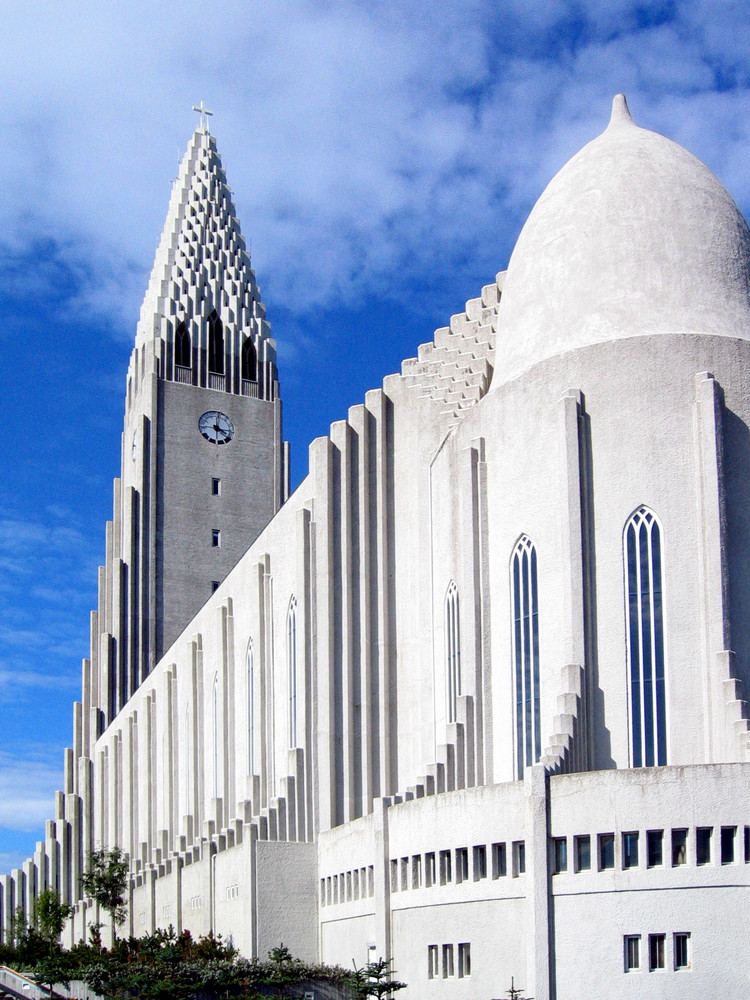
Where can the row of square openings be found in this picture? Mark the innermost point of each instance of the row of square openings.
(355, 884)
(444, 867)
(681, 958)
(682, 847)
(441, 964)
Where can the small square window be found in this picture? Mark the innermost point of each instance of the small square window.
(655, 848)
(480, 862)
(681, 952)
(632, 949)
(519, 857)
(429, 869)
(214, 586)
(559, 855)
(216, 487)
(630, 849)
(582, 847)
(606, 851)
(215, 537)
(464, 960)
(447, 961)
(679, 848)
(656, 952)
(703, 845)
(462, 864)
(728, 836)
(445, 868)
(433, 961)
(499, 861)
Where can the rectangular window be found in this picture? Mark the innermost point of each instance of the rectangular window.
(215, 537)
(464, 960)
(480, 862)
(433, 961)
(322, 892)
(656, 952)
(445, 867)
(447, 961)
(355, 883)
(728, 836)
(371, 880)
(582, 847)
(681, 952)
(429, 869)
(394, 875)
(404, 874)
(703, 845)
(214, 586)
(499, 861)
(462, 864)
(606, 851)
(679, 848)
(559, 855)
(348, 887)
(632, 952)
(519, 857)
(216, 487)
(630, 849)
(416, 871)
(747, 845)
(655, 848)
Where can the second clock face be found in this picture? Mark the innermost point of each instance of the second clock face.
(216, 427)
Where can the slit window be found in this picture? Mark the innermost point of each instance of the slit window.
(606, 851)
(655, 848)
(703, 845)
(519, 857)
(215, 487)
(215, 538)
(559, 855)
(462, 864)
(728, 836)
(445, 867)
(464, 960)
(582, 847)
(447, 961)
(499, 861)
(630, 849)
(679, 848)
(632, 952)
(656, 952)
(681, 952)
(433, 961)
(429, 869)
(480, 862)
(452, 651)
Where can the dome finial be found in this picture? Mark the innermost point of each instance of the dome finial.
(620, 112)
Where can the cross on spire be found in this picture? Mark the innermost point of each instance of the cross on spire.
(202, 111)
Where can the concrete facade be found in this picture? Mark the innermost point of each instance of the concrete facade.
(471, 697)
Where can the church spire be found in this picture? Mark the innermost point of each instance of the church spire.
(202, 282)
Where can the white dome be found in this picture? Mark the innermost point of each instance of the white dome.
(634, 236)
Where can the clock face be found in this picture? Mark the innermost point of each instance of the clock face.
(216, 427)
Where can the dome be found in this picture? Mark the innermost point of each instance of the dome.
(633, 237)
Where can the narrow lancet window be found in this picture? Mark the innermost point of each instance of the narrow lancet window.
(525, 651)
(215, 707)
(291, 657)
(215, 344)
(182, 346)
(250, 709)
(249, 361)
(452, 651)
(645, 639)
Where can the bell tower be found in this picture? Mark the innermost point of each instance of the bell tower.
(203, 467)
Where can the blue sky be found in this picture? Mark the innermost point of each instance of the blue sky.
(383, 157)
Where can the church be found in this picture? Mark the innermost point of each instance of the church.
(473, 695)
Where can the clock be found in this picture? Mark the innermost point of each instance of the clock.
(216, 427)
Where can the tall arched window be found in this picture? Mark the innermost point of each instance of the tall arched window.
(523, 579)
(182, 346)
(215, 344)
(291, 660)
(250, 708)
(452, 651)
(249, 361)
(215, 706)
(645, 639)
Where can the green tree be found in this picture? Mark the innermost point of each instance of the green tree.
(374, 979)
(50, 915)
(105, 881)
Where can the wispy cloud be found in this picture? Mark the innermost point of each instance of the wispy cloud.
(29, 777)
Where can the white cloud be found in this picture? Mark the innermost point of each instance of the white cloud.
(28, 781)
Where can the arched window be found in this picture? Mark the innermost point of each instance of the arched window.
(215, 706)
(525, 652)
(452, 651)
(215, 344)
(249, 361)
(250, 708)
(291, 661)
(645, 639)
(182, 346)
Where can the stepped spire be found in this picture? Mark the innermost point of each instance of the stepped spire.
(201, 274)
